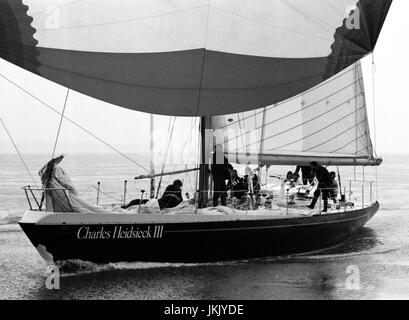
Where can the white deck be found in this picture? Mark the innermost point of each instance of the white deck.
(52, 218)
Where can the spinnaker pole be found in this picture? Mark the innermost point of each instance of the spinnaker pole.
(163, 174)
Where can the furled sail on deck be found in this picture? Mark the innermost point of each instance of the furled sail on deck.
(189, 57)
(328, 123)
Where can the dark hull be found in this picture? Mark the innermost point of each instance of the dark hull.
(199, 241)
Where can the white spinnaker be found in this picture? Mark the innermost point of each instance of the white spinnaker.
(189, 57)
(329, 120)
(275, 28)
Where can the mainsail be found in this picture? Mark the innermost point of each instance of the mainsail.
(327, 123)
(189, 57)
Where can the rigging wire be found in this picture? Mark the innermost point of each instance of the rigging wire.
(18, 151)
(374, 120)
(187, 142)
(59, 126)
(76, 124)
(241, 133)
(374, 100)
(106, 194)
(170, 134)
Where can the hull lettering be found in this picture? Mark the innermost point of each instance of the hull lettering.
(119, 232)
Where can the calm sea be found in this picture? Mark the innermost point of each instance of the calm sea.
(380, 251)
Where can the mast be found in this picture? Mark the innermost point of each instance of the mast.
(204, 161)
(262, 137)
(152, 162)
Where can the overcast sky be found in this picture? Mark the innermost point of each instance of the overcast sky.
(34, 127)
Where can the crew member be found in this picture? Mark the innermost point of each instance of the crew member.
(172, 196)
(307, 174)
(289, 177)
(221, 171)
(334, 187)
(296, 181)
(237, 185)
(324, 185)
(256, 185)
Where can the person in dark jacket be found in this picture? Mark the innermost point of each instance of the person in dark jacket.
(221, 171)
(288, 177)
(237, 185)
(172, 196)
(334, 187)
(324, 185)
(256, 185)
(307, 174)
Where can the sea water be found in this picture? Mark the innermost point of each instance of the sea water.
(373, 265)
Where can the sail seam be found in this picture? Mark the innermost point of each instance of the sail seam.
(337, 136)
(345, 145)
(122, 21)
(298, 111)
(277, 105)
(309, 16)
(335, 8)
(308, 121)
(325, 128)
(270, 25)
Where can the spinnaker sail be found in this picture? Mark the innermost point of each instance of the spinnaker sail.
(189, 57)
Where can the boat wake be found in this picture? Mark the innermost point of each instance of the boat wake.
(78, 267)
(345, 251)
(334, 256)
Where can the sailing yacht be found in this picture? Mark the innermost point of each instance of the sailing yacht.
(279, 82)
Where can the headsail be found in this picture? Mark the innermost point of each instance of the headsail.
(327, 123)
(189, 57)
